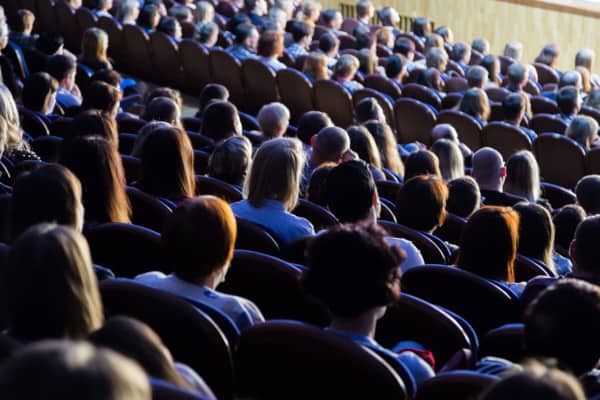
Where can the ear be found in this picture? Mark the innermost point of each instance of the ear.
(572, 250)
(313, 139)
(502, 171)
(374, 198)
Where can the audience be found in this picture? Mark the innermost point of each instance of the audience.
(273, 120)
(363, 144)
(523, 178)
(489, 172)
(388, 147)
(270, 48)
(94, 46)
(584, 131)
(422, 162)
(231, 160)
(514, 108)
(588, 194)
(451, 162)
(421, 203)
(64, 70)
(463, 196)
(220, 120)
(39, 95)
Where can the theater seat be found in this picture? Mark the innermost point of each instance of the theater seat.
(226, 70)
(551, 147)
(196, 68)
(331, 98)
(456, 84)
(455, 385)
(543, 105)
(558, 196)
(47, 147)
(414, 121)
(545, 74)
(497, 94)
(260, 86)
(430, 251)
(384, 85)
(165, 60)
(320, 217)
(116, 48)
(506, 341)
(295, 91)
(505, 138)
(547, 123)
(147, 210)
(251, 236)
(206, 185)
(32, 123)
(467, 127)
(422, 93)
(452, 228)
(137, 46)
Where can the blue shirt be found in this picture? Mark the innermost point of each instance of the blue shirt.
(296, 50)
(241, 52)
(283, 225)
(66, 99)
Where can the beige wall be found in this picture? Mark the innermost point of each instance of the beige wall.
(500, 22)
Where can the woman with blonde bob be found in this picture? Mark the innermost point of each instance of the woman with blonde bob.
(476, 104)
(583, 130)
(315, 66)
(451, 160)
(48, 286)
(523, 176)
(16, 148)
(94, 45)
(272, 189)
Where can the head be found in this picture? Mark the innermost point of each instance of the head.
(8, 112)
(210, 93)
(461, 52)
(4, 30)
(550, 320)
(350, 192)
(583, 130)
(311, 123)
(421, 27)
(273, 119)
(276, 20)
(434, 40)
(436, 58)
(481, 45)
(523, 176)
(514, 50)
(163, 109)
(351, 258)
(389, 16)
(49, 286)
(536, 232)
(270, 44)
(583, 247)
(463, 196)
(431, 78)
(181, 13)
(514, 107)
(451, 161)
(585, 58)
(63, 69)
(365, 9)
(316, 184)
(346, 67)
(489, 243)
(586, 84)
(588, 194)
(163, 91)
(363, 144)
(97, 165)
(476, 104)
(100, 374)
(50, 43)
(315, 65)
(220, 120)
(246, 35)
(368, 109)
(492, 65)
(570, 78)
(488, 168)
(23, 22)
(109, 76)
(329, 44)
(405, 47)
(93, 123)
(395, 68)
(444, 131)
(332, 19)
(568, 100)
(230, 160)
(566, 220)
(422, 162)
(330, 144)
(517, 75)
(302, 33)
(168, 164)
(548, 55)
(128, 11)
(421, 203)
(61, 191)
(102, 97)
(237, 19)
(39, 92)
(94, 44)
(367, 61)
(477, 77)
(387, 146)
(276, 172)
(149, 17)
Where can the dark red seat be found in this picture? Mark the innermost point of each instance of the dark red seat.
(546, 74)
(66, 22)
(531, 88)
(506, 138)
(165, 60)
(116, 48)
(527, 268)
(467, 127)
(85, 20)
(383, 84)
(331, 98)
(201, 162)
(413, 38)
(590, 112)
(497, 94)
(349, 25)
(451, 100)
(347, 42)
(422, 93)
(383, 101)
(129, 124)
(455, 385)
(226, 70)
(452, 228)
(388, 189)
(132, 167)
(138, 49)
(196, 68)
(48, 147)
(320, 217)
(547, 123)
(414, 121)
(505, 62)
(32, 123)
(147, 210)
(260, 86)
(206, 185)
(561, 160)
(295, 91)
(558, 196)
(46, 16)
(251, 236)
(543, 105)
(456, 84)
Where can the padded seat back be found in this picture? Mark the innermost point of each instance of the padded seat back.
(384, 85)
(382, 100)
(455, 385)
(226, 70)
(430, 251)
(147, 210)
(561, 160)
(414, 121)
(165, 59)
(196, 68)
(295, 91)
(207, 185)
(422, 93)
(546, 74)
(320, 217)
(254, 237)
(547, 123)
(138, 49)
(505, 138)
(260, 86)
(543, 105)
(468, 129)
(457, 84)
(331, 98)
(67, 25)
(116, 42)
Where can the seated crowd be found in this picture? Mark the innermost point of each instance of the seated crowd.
(354, 213)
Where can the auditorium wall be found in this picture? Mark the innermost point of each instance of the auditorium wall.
(533, 22)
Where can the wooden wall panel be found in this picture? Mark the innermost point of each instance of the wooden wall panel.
(503, 21)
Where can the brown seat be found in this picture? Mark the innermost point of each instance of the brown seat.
(48, 147)
(32, 123)
(384, 85)
(414, 121)
(527, 268)
(67, 25)
(165, 60)
(468, 129)
(382, 51)
(349, 25)
(542, 123)
(422, 93)
(531, 88)
(429, 249)
(388, 190)
(476, 57)
(306, 362)
(558, 196)
(85, 20)
(347, 42)
(506, 341)
(455, 385)
(226, 70)
(320, 217)
(496, 112)
(590, 112)
(452, 229)
(201, 162)
(413, 38)
(116, 48)
(454, 69)
(561, 160)
(147, 210)
(295, 91)
(206, 185)
(497, 93)
(274, 286)
(128, 124)
(546, 74)
(451, 100)
(196, 69)
(191, 336)
(456, 84)
(505, 138)
(543, 105)
(15, 54)
(331, 98)
(139, 62)
(252, 236)
(383, 101)
(45, 16)
(260, 86)
(505, 62)
(592, 159)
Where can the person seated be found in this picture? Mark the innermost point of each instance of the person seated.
(492, 64)
(421, 162)
(163, 91)
(593, 99)
(514, 108)
(513, 50)
(388, 147)
(163, 109)
(286, 6)
(569, 78)
(220, 121)
(7, 68)
(149, 18)
(315, 192)
(256, 10)
(56, 365)
(585, 59)
(272, 189)
(102, 97)
(94, 45)
(586, 85)
(102, 8)
(395, 70)
(489, 246)
(437, 58)
(363, 144)
(275, 20)
(302, 35)
(330, 144)
(421, 27)
(170, 27)
(344, 72)
(368, 109)
(475, 103)
(447, 131)
(39, 96)
(128, 11)
(210, 93)
(477, 77)
(16, 147)
(270, 48)
(230, 161)
(481, 45)
(365, 12)
(463, 196)
(332, 20)
(405, 48)
(518, 75)
(587, 191)
(273, 120)
(20, 32)
(368, 63)
(489, 172)
(523, 178)
(311, 123)
(35, 309)
(315, 66)
(389, 19)
(566, 219)
(549, 56)
(329, 45)
(92, 123)
(584, 131)
(569, 103)
(182, 13)
(167, 160)
(351, 259)
(351, 195)
(446, 33)
(245, 43)
(432, 79)
(451, 160)
(64, 70)
(461, 53)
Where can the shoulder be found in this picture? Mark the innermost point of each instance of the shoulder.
(150, 277)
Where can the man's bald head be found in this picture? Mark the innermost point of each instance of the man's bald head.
(444, 131)
(330, 144)
(488, 168)
(570, 78)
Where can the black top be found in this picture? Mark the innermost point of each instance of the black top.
(494, 198)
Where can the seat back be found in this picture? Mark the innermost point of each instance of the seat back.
(388, 190)
(384, 85)
(46, 16)
(558, 196)
(67, 25)
(468, 129)
(455, 385)
(422, 93)
(127, 249)
(254, 237)
(454, 69)
(430, 251)
(591, 112)
(456, 84)
(147, 210)
(546, 74)
(226, 9)
(116, 48)
(506, 341)
(411, 318)
(14, 52)
(497, 94)
(331, 98)
(543, 123)
(452, 229)
(550, 147)
(295, 91)
(165, 59)
(260, 86)
(451, 100)
(132, 167)
(196, 69)
(414, 121)
(85, 20)
(162, 390)
(226, 70)
(505, 62)
(543, 105)
(138, 48)
(382, 100)
(271, 357)
(32, 123)
(505, 138)
(216, 187)
(320, 217)
(349, 25)
(48, 148)
(191, 336)
(527, 268)
(413, 38)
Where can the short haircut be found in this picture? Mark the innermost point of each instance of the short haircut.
(149, 17)
(168, 25)
(349, 191)
(394, 66)
(461, 52)
(24, 20)
(211, 92)
(566, 220)
(517, 74)
(422, 162)
(243, 31)
(60, 66)
(487, 164)
(37, 90)
(346, 65)
(551, 319)
(301, 30)
(162, 109)
(101, 96)
(513, 105)
(316, 185)
(310, 123)
(514, 50)
(421, 26)
(489, 243)
(566, 99)
(205, 31)
(363, 7)
(330, 144)
(270, 44)
(477, 76)
(220, 120)
(230, 160)
(199, 238)
(109, 76)
(163, 91)
(351, 259)
(586, 245)
(588, 194)
(328, 42)
(368, 109)
(463, 196)
(421, 203)
(49, 43)
(404, 46)
(272, 118)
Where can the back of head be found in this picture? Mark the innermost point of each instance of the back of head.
(48, 194)
(311, 123)
(489, 243)
(212, 92)
(162, 109)
(49, 43)
(350, 191)
(273, 119)
(198, 239)
(368, 109)
(163, 91)
(394, 67)
(536, 232)
(570, 78)
(477, 76)
(588, 194)
(583, 130)
(551, 320)
(487, 167)
(514, 50)
(230, 160)
(451, 161)
(444, 131)
(102, 97)
(475, 103)
(421, 203)
(565, 221)
(422, 162)
(220, 120)
(67, 370)
(513, 106)
(421, 26)
(585, 245)
(523, 176)
(567, 100)
(37, 91)
(93, 123)
(243, 31)
(328, 42)
(463, 196)
(317, 184)
(60, 66)
(109, 76)
(517, 74)
(536, 382)
(270, 44)
(363, 144)
(300, 30)
(387, 145)
(351, 259)
(330, 144)
(49, 288)
(404, 46)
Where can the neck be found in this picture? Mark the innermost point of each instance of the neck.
(211, 281)
(495, 186)
(362, 325)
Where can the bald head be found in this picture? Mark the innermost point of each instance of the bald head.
(330, 144)
(570, 78)
(488, 169)
(444, 131)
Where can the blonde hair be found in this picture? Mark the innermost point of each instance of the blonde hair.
(315, 65)
(10, 114)
(475, 103)
(583, 130)
(514, 50)
(523, 176)
(204, 12)
(276, 172)
(347, 65)
(94, 45)
(272, 118)
(450, 158)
